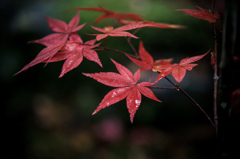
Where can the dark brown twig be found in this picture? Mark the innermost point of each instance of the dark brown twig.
(215, 75)
(131, 45)
(153, 87)
(181, 90)
(113, 50)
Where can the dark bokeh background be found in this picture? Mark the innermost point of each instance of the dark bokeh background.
(46, 117)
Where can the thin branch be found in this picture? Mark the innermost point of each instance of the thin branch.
(153, 87)
(113, 50)
(131, 45)
(117, 51)
(185, 93)
(215, 78)
(215, 75)
(105, 42)
(129, 42)
(197, 105)
(150, 79)
(212, 6)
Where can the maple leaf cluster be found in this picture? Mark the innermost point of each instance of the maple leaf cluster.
(66, 44)
(178, 71)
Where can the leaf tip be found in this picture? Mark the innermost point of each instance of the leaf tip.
(16, 73)
(131, 119)
(62, 73)
(86, 74)
(94, 112)
(113, 61)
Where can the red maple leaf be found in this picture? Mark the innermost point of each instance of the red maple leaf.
(152, 24)
(179, 70)
(74, 51)
(201, 14)
(146, 60)
(63, 30)
(121, 31)
(45, 54)
(110, 14)
(110, 31)
(127, 88)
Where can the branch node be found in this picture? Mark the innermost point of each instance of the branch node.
(215, 77)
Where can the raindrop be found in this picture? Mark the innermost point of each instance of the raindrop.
(137, 102)
(114, 94)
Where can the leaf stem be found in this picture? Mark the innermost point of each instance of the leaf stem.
(129, 42)
(185, 93)
(105, 42)
(131, 45)
(117, 51)
(150, 79)
(113, 50)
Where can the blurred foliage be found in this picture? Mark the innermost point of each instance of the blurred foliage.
(48, 118)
